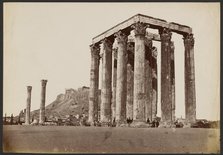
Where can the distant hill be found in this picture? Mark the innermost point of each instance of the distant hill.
(72, 102)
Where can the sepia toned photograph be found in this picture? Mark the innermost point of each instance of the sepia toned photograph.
(127, 77)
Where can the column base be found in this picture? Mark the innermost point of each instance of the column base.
(121, 124)
(106, 124)
(187, 124)
(167, 124)
(139, 124)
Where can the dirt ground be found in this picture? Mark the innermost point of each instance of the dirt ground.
(68, 139)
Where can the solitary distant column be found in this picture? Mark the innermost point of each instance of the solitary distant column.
(130, 80)
(42, 104)
(154, 83)
(190, 94)
(139, 72)
(114, 79)
(121, 78)
(11, 119)
(94, 81)
(106, 94)
(172, 70)
(166, 97)
(28, 105)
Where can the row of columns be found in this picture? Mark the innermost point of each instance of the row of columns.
(130, 89)
(42, 103)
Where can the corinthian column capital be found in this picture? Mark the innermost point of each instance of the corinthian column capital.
(165, 34)
(115, 50)
(43, 83)
(107, 44)
(188, 40)
(121, 37)
(139, 28)
(29, 88)
(172, 45)
(95, 50)
(154, 52)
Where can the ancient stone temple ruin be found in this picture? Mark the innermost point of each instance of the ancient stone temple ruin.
(28, 105)
(42, 103)
(129, 72)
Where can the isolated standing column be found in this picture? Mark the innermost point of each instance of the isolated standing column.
(28, 105)
(42, 104)
(121, 78)
(94, 81)
(190, 94)
(139, 72)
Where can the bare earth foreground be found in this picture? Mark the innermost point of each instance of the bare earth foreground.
(72, 139)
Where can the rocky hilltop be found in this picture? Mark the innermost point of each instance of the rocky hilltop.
(72, 102)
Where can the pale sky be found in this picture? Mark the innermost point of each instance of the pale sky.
(51, 41)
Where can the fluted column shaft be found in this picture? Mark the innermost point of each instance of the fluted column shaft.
(106, 94)
(148, 80)
(154, 83)
(130, 80)
(166, 95)
(172, 70)
(94, 81)
(114, 79)
(139, 73)
(42, 104)
(190, 93)
(121, 77)
(28, 105)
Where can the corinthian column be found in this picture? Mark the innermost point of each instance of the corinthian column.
(121, 78)
(139, 73)
(148, 80)
(94, 77)
(154, 82)
(190, 94)
(172, 72)
(130, 80)
(114, 79)
(28, 105)
(166, 97)
(42, 104)
(106, 93)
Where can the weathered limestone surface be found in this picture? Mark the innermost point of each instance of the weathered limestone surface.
(28, 105)
(130, 80)
(121, 88)
(42, 104)
(94, 81)
(154, 82)
(114, 79)
(148, 81)
(166, 95)
(106, 94)
(190, 98)
(139, 72)
(130, 85)
(172, 68)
